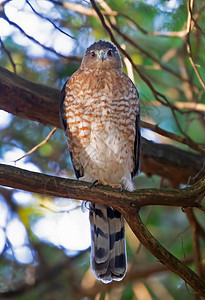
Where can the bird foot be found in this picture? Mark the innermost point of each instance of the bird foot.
(103, 182)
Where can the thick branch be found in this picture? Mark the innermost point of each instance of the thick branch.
(40, 103)
(123, 201)
(177, 165)
(28, 100)
(169, 260)
(127, 203)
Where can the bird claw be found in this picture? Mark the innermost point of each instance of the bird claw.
(96, 182)
(102, 182)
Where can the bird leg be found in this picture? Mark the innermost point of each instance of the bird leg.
(103, 182)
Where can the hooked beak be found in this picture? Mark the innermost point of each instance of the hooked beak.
(102, 55)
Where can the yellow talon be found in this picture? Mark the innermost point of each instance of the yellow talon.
(112, 185)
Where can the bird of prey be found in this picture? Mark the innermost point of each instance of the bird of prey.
(100, 114)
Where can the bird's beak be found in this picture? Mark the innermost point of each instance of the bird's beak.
(102, 55)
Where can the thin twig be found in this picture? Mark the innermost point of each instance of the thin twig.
(146, 53)
(81, 9)
(9, 56)
(50, 21)
(4, 16)
(195, 235)
(108, 10)
(186, 86)
(179, 34)
(188, 43)
(3, 3)
(192, 61)
(173, 136)
(180, 128)
(39, 145)
(190, 106)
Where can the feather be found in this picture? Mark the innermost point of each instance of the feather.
(61, 108)
(108, 251)
(137, 147)
(78, 168)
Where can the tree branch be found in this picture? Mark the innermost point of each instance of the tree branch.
(38, 102)
(166, 258)
(189, 106)
(173, 136)
(123, 201)
(31, 38)
(128, 203)
(194, 225)
(167, 161)
(27, 99)
(9, 56)
(190, 4)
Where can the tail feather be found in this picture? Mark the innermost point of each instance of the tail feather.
(101, 238)
(108, 252)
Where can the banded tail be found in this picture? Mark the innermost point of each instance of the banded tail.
(108, 248)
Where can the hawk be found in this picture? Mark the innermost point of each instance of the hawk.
(100, 114)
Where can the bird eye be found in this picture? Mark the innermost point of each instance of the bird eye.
(109, 53)
(92, 54)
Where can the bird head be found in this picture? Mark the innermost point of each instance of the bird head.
(101, 55)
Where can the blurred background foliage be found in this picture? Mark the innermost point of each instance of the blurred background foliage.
(34, 262)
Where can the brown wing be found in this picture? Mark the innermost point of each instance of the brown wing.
(137, 147)
(78, 168)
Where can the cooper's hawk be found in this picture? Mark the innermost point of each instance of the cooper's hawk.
(99, 108)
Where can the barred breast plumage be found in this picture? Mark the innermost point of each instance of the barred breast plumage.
(100, 115)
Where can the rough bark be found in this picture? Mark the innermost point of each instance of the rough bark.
(170, 162)
(27, 99)
(61, 187)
